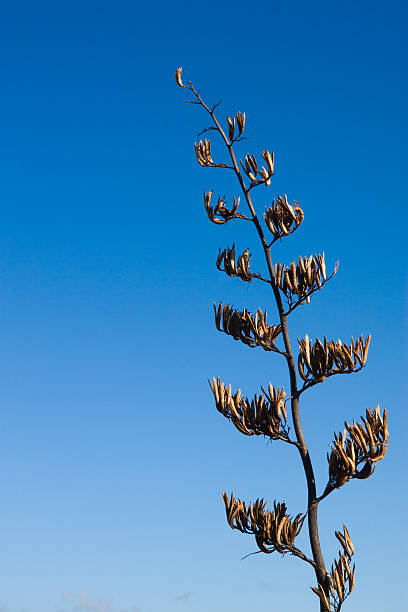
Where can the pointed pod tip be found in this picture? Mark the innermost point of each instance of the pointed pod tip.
(178, 77)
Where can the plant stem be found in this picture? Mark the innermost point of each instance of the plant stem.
(313, 502)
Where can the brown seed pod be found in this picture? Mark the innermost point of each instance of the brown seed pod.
(263, 415)
(252, 330)
(304, 278)
(220, 213)
(282, 218)
(178, 77)
(203, 153)
(319, 360)
(226, 263)
(359, 444)
(252, 170)
(274, 530)
(241, 122)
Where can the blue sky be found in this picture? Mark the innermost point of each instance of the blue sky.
(113, 457)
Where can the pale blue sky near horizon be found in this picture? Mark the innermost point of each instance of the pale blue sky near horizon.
(113, 457)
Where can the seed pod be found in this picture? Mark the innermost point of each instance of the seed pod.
(241, 122)
(231, 127)
(178, 77)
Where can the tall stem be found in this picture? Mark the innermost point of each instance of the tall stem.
(312, 501)
(312, 504)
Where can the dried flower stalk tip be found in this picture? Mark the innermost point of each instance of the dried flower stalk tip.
(264, 415)
(252, 330)
(220, 213)
(273, 530)
(358, 444)
(304, 278)
(178, 77)
(318, 361)
(226, 258)
(283, 218)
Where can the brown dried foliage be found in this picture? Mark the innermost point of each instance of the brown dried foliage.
(359, 443)
(220, 214)
(226, 263)
(304, 278)
(273, 529)
(283, 218)
(252, 330)
(263, 415)
(322, 359)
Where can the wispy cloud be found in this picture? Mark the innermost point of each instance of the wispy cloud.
(185, 597)
(83, 602)
(5, 608)
(267, 585)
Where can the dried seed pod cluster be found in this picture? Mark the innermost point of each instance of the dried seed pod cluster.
(203, 153)
(226, 258)
(252, 171)
(341, 577)
(220, 213)
(273, 530)
(252, 330)
(319, 360)
(240, 119)
(283, 218)
(264, 415)
(303, 279)
(366, 443)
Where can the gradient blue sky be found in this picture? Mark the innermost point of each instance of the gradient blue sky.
(113, 457)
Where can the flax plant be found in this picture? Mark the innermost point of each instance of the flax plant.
(355, 451)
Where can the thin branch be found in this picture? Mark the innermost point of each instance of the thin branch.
(238, 139)
(258, 182)
(298, 553)
(213, 165)
(292, 550)
(290, 441)
(250, 554)
(215, 105)
(241, 216)
(303, 299)
(316, 381)
(207, 129)
(325, 494)
(259, 277)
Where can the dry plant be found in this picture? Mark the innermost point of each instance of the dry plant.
(355, 451)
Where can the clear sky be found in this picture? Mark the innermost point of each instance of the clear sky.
(113, 457)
